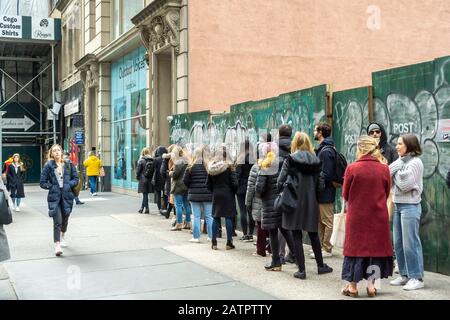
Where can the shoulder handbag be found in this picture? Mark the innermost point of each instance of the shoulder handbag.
(5, 211)
(338, 236)
(76, 190)
(287, 200)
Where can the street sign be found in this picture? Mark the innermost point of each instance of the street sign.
(24, 123)
(79, 137)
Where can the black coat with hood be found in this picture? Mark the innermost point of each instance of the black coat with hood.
(387, 150)
(158, 181)
(223, 184)
(284, 145)
(144, 185)
(242, 173)
(306, 167)
(164, 171)
(327, 156)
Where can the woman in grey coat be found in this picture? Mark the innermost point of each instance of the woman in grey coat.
(306, 166)
(253, 203)
(4, 247)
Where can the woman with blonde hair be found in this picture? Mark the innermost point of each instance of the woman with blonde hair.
(144, 174)
(304, 166)
(59, 179)
(177, 165)
(15, 178)
(164, 171)
(367, 247)
(199, 196)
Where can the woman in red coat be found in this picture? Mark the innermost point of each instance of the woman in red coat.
(367, 248)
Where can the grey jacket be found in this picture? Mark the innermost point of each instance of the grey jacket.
(251, 199)
(407, 177)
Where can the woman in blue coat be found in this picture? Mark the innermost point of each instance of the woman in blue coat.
(59, 179)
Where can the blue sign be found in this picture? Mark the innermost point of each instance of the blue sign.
(79, 137)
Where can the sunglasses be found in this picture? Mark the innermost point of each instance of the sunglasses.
(375, 131)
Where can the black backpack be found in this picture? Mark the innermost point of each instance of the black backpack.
(149, 168)
(340, 166)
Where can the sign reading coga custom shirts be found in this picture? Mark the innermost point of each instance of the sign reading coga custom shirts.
(42, 28)
(10, 26)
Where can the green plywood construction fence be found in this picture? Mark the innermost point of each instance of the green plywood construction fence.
(416, 99)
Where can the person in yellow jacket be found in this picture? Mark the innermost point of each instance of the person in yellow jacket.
(93, 165)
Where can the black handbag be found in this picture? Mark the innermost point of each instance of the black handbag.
(5, 211)
(287, 200)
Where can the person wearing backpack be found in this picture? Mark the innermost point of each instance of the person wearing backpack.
(158, 182)
(177, 166)
(327, 154)
(144, 174)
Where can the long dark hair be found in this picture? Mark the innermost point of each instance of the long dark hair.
(412, 144)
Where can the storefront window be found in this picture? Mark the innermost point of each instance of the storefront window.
(123, 11)
(128, 85)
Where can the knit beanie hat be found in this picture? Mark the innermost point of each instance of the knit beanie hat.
(373, 126)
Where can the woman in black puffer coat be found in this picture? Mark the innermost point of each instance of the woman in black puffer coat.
(245, 161)
(164, 171)
(199, 196)
(145, 187)
(267, 190)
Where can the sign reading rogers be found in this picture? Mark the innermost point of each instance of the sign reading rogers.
(42, 28)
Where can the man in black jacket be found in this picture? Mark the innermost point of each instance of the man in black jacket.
(376, 130)
(327, 155)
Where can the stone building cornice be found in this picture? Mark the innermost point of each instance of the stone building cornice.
(159, 24)
(61, 5)
(88, 67)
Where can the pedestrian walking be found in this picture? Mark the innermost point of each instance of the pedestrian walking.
(407, 177)
(254, 205)
(161, 199)
(223, 184)
(200, 198)
(245, 161)
(367, 248)
(327, 154)
(306, 167)
(266, 188)
(144, 173)
(15, 178)
(4, 246)
(59, 179)
(177, 165)
(93, 165)
(377, 131)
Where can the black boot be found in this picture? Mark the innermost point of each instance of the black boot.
(147, 211)
(141, 210)
(300, 275)
(273, 267)
(214, 244)
(230, 245)
(290, 258)
(324, 269)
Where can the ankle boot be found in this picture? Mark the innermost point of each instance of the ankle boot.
(141, 210)
(214, 244)
(177, 227)
(147, 211)
(273, 267)
(230, 245)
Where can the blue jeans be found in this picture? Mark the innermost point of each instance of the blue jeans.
(144, 200)
(16, 201)
(407, 245)
(93, 183)
(229, 226)
(197, 211)
(182, 204)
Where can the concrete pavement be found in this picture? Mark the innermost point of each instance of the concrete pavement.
(116, 253)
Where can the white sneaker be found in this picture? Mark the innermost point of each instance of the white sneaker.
(413, 284)
(400, 281)
(325, 254)
(58, 250)
(209, 239)
(194, 240)
(17, 209)
(95, 194)
(63, 243)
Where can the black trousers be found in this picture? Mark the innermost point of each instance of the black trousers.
(247, 222)
(273, 235)
(161, 199)
(60, 222)
(298, 247)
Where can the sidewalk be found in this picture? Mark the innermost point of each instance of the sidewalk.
(116, 253)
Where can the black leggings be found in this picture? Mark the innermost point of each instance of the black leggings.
(299, 254)
(273, 235)
(244, 214)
